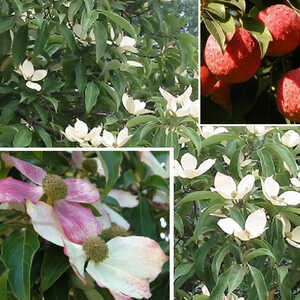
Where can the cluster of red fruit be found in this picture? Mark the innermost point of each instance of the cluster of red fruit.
(241, 59)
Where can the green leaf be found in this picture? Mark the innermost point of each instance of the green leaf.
(141, 120)
(178, 224)
(218, 260)
(54, 264)
(111, 162)
(18, 250)
(19, 6)
(91, 96)
(183, 269)
(3, 285)
(8, 111)
(201, 195)
(216, 30)
(120, 21)
(259, 282)
(81, 79)
(22, 138)
(240, 4)
(42, 37)
(216, 9)
(217, 138)
(89, 4)
(260, 33)
(73, 9)
(101, 38)
(284, 154)
(112, 93)
(7, 23)
(235, 166)
(266, 162)
(19, 45)
(59, 290)
(260, 252)
(69, 37)
(237, 279)
(53, 101)
(191, 134)
(45, 136)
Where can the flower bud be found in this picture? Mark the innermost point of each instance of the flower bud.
(95, 249)
(114, 231)
(55, 187)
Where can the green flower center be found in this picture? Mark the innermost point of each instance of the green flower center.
(90, 165)
(95, 249)
(114, 231)
(55, 187)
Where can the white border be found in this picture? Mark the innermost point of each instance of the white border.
(171, 189)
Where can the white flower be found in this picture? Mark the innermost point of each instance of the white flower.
(207, 131)
(187, 108)
(271, 189)
(226, 186)
(79, 133)
(259, 130)
(243, 162)
(188, 167)
(290, 138)
(110, 140)
(292, 237)
(126, 43)
(254, 227)
(160, 197)
(134, 63)
(77, 28)
(29, 74)
(135, 107)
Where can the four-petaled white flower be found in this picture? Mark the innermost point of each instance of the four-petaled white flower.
(255, 225)
(259, 130)
(226, 186)
(290, 138)
(126, 43)
(188, 107)
(110, 140)
(80, 133)
(271, 189)
(135, 107)
(188, 167)
(31, 75)
(208, 130)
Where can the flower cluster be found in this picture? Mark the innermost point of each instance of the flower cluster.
(60, 211)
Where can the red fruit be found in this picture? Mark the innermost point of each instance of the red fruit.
(288, 95)
(284, 26)
(221, 95)
(208, 81)
(240, 60)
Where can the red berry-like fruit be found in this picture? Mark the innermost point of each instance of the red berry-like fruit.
(240, 60)
(221, 95)
(288, 95)
(208, 81)
(284, 26)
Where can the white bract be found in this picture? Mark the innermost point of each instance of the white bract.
(207, 131)
(290, 138)
(126, 43)
(242, 161)
(31, 75)
(135, 107)
(182, 105)
(259, 130)
(296, 181)
(271, 189)
(226, 186)
(80, 133)
(292, 237)
(188, 167)
(110, 140)
(255, 225)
